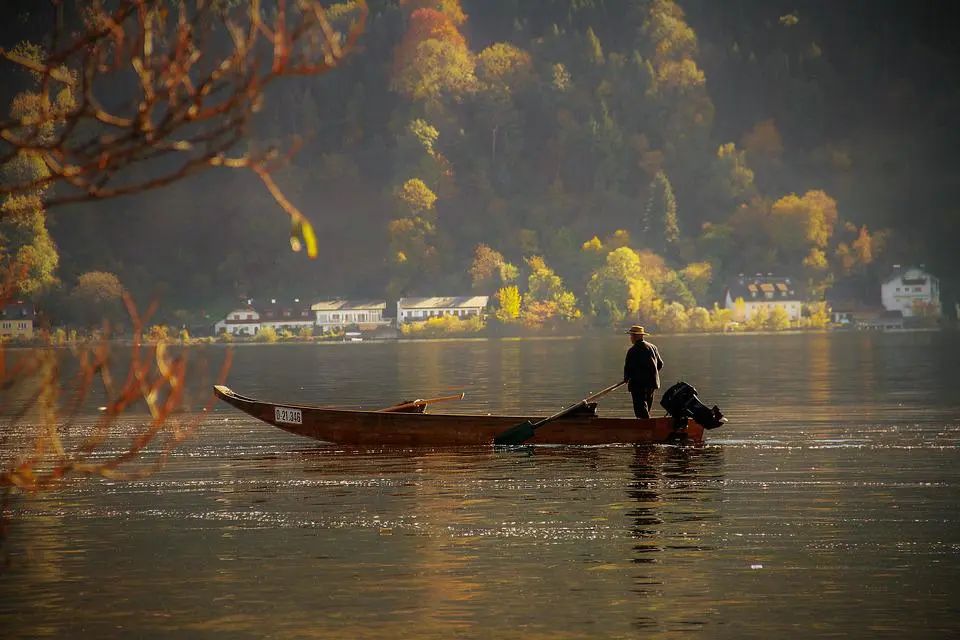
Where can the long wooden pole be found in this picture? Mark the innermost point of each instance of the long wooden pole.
(417, 403)
(520, 433)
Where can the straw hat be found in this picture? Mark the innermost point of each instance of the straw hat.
(636, 330)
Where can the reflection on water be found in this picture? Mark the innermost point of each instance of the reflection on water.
(828, 504)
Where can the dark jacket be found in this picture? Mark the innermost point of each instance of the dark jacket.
(642, 366)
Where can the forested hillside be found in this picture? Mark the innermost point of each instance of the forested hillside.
(603, 156)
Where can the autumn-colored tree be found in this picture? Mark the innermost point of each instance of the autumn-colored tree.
(734, 176)
(28, 256)
(759, 319)
(818, 315)
(543, 283)
(619, 238)
(452, 9)
(697, 276)
(673, 289)
(619, 287)
(857, 253)
(593, 245)
(593, 48)
(504, 66)
(545, 286)
(699, 319)
(97, 296)
(412, 250)
(509, 301)
(763, 142)
(428, 24)
(27, 253)
(680, 83)
(721, 317)
(739, 310)
(433, 60)
(415, 197)
(489, 269)
(673, 318)
(778, 319)
(669, 34)
(800, 223)
(502, 70)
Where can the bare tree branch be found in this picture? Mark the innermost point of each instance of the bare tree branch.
(191, 74)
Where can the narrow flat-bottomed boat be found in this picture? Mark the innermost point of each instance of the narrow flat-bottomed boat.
(411, 427)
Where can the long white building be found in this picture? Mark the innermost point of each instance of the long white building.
(420, 309)
(339, 313)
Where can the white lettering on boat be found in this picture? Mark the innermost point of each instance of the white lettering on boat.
(288, 415)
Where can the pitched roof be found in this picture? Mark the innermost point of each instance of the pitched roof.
(19, 309)
(339, 304)
(767, 287)
(279, 313)
(440, 302)
(910, 275)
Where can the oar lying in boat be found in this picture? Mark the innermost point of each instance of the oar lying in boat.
(518, 434)
(418, 403)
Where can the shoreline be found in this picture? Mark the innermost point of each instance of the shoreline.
(206, 341)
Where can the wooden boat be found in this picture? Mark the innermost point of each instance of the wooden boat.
(413, 428)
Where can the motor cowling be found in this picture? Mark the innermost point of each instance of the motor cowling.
(681, 402)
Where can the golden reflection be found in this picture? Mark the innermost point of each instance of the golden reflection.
(818, 372)
(866, 363)
(442, 562)
(510, 387)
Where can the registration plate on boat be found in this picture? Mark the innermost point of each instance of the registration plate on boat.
(288, 415)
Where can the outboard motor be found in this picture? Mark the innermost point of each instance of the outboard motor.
(681, 402)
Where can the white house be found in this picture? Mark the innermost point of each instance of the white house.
(338, 313)
(910, 290)
(239, 322)
(16, 320)
(420, 309)
(762, 291)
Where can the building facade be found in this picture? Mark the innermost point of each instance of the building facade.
(239, 322)
(911, 291)
(339, 314)
(762, 292)
(420, 309)
(286, 317)
(17, 320)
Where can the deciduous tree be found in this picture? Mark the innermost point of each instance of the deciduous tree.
(508, 303)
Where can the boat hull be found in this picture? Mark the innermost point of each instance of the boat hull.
(377, 428)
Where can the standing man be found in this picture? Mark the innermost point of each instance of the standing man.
(641, 371)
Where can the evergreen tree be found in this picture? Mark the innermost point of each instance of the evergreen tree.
(659, 222)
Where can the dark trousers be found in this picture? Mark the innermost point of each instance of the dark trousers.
(642, 401)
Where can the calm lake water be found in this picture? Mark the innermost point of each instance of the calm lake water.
(828, 506)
